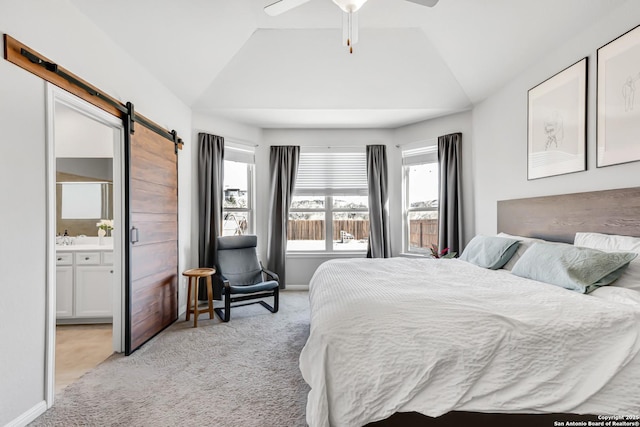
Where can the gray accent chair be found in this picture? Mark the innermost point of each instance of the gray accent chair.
(242, 276)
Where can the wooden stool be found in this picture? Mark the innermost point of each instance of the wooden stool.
(194, 275)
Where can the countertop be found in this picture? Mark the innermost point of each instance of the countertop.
(80, 248)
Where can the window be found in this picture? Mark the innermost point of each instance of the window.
(82, 200)
(420, 173)
(330, 207)
(237, 197)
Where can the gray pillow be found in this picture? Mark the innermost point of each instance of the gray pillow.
(489, 251)
(574, 268)
(525, 243)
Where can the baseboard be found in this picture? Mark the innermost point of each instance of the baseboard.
(297, 288)
(33, 413)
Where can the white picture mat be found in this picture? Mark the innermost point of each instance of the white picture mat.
(556, 124)
(619, 100)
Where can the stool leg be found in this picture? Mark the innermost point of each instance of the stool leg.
(189, 298)
(196, 313)
(210, 296)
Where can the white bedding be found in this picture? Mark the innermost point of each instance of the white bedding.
(432, 336)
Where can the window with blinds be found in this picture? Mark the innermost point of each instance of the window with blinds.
(330, 207)
(420, 182)
(239, 153)
(332, 173)
(420, 155)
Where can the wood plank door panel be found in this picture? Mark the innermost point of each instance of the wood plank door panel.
(152, 294)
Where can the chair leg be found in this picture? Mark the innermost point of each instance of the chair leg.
(276, 300)
(227, 304)
(225, 315)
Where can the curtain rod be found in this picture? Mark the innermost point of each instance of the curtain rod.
(432, 139)
(240, 141)
(334, 146)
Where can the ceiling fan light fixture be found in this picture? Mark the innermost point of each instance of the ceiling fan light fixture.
(350, 6)
(350, 18)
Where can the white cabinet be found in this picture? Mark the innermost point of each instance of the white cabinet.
(84, 286)
(93, 291)
(64, 291)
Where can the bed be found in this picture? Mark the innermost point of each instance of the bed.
(433, 337)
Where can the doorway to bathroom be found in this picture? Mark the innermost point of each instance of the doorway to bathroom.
(85, 149)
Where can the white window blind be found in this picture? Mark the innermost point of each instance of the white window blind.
(333, 173)
(421, 155)
(239, 152)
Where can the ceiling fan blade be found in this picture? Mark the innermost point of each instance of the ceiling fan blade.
(282, 6)
(428, 3)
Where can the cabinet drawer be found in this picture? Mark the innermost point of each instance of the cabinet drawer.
(83, 258)
(64, 258)
(107, 258)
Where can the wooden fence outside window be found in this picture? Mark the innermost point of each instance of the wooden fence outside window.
(422, 233)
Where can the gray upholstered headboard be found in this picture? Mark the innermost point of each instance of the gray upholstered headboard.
(558, 218)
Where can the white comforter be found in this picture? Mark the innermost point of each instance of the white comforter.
(431, 336)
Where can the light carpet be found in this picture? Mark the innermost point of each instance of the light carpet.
(243, 373)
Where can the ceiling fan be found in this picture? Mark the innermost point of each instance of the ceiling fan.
(349, 7)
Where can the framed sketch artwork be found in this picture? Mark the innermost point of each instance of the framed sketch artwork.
(557, 116)
(619, 100)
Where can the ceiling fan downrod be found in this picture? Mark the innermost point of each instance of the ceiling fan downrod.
(350, 32)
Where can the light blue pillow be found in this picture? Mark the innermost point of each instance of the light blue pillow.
(489, 251)
(575, 268)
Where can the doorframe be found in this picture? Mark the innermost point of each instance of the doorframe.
(55, 95)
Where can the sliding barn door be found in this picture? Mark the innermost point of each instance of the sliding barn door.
(152, 291)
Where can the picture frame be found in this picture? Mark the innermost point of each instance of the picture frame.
(618, 104)
(557, 123)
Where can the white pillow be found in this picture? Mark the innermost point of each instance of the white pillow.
(525, 243)
(630, 279)
(607, 242)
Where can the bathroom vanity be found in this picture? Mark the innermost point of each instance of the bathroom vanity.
(84, 284)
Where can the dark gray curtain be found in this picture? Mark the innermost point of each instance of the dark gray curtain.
(283, 166)
(379, 242)
(450, 193)
(210, 181)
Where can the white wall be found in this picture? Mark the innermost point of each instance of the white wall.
(77, 135)
(431, 129)
(500, 128)
(300, 268)
(58, 31)
(22, 246)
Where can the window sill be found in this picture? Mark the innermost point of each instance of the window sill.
(324, 254)
(413, 255)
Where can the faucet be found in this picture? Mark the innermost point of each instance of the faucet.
(65, 239)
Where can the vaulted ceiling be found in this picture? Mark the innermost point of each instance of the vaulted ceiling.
(230, 59)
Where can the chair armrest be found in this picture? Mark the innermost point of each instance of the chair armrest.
(221, 280)
(271, 274)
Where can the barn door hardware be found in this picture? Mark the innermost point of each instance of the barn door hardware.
(131, 117)
(54, 68)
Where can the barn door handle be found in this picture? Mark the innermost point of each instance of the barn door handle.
(135, 236)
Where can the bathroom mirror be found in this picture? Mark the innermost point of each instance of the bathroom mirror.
(84, 194)
(85, 200)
